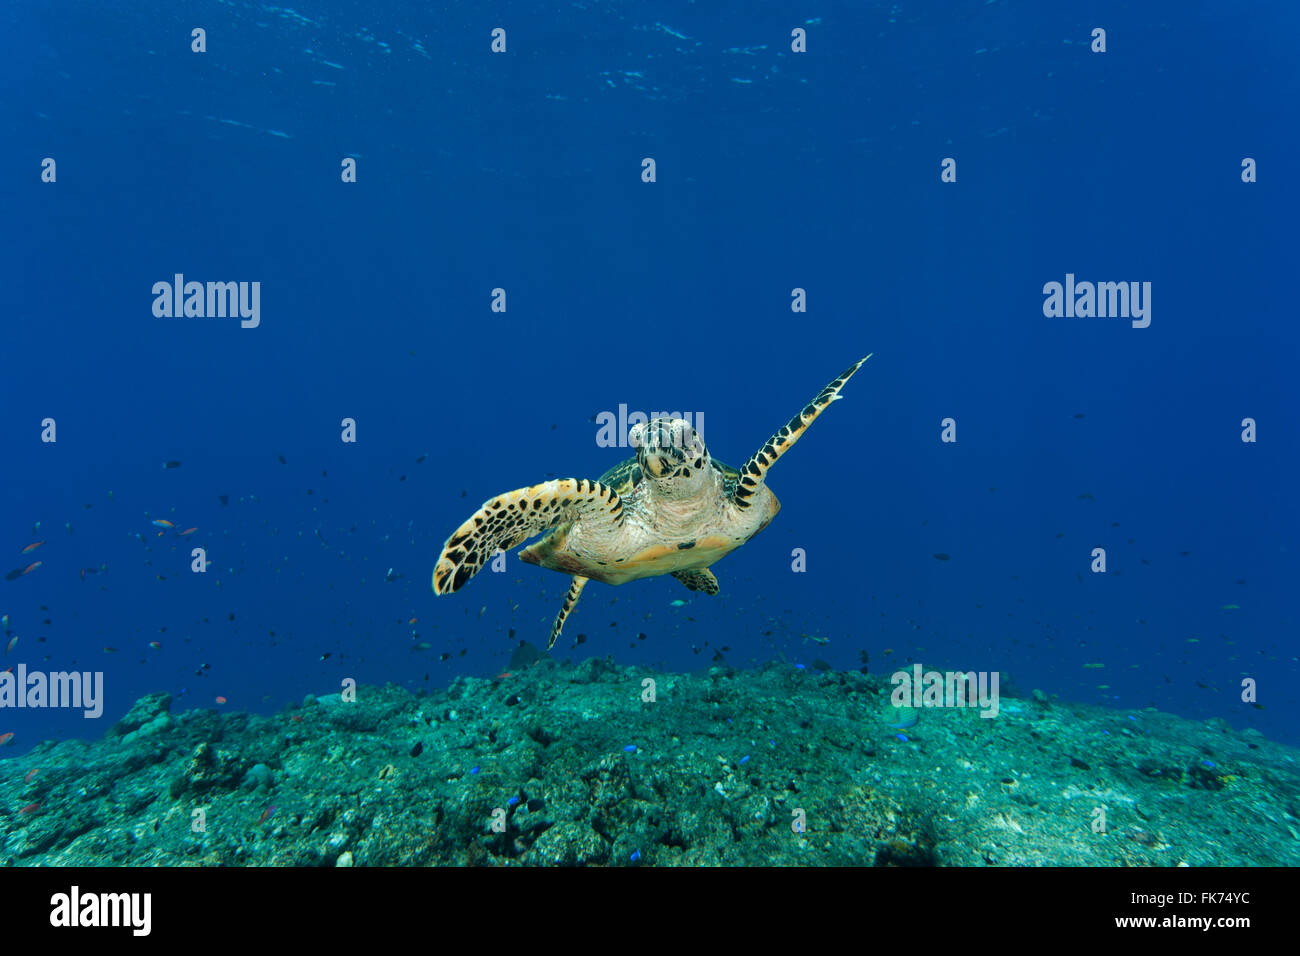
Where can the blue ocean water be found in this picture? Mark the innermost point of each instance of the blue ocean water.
(775, 171)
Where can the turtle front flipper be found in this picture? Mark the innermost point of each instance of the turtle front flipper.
(701, 579)
(754, 470)
(511, 518)
(570, 599)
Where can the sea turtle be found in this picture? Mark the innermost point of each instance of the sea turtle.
(672, 509)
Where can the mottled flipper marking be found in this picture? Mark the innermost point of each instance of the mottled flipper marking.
(511, 518)
(751, 475)
(570, 599)
(698, 580)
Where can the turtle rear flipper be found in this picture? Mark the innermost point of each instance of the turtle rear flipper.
(701, 579)
(754, 470)
(511, 518)
(570, 599)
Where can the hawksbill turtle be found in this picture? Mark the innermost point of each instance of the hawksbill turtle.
(671, 509)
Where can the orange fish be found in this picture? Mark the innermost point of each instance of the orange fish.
(5, 738)
(32, 547)
(162, 523)
(31, 807)
(181, 534)
(413, 620)
(31, 773)
(267, 814)
(221, 700)
(13, 642)
(17, 573)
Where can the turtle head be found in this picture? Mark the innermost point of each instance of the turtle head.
(671, 454)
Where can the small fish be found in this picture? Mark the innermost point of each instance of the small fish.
(267, 814)
(907, 717)
(13, 642)
(110, 650)
(5, 738)
(282, 459)
(31, 773)
(31, 808)
(171, 464)
(4, 621)
(187, 531)
(17, 573)
(414, 620)
(677, 602)
(156, 645)
(1230, 607)
(161, 523)
(32, 547)
(942, 556)
(220, 699)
